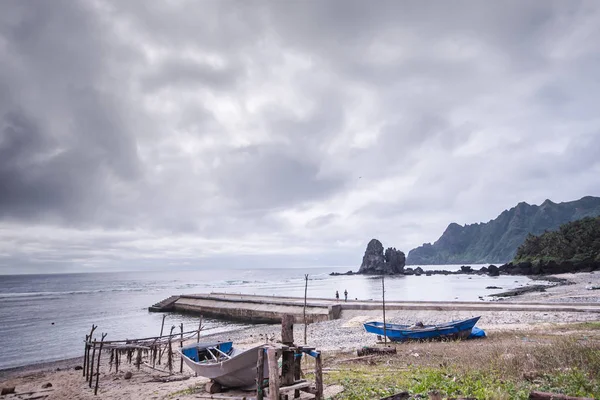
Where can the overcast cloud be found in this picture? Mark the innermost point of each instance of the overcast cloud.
(182, 134)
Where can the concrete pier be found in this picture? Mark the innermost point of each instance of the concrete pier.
(270, 309)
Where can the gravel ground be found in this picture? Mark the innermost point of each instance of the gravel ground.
(347, 333)
(577, 292)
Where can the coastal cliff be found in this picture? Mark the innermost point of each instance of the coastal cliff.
(497, 240)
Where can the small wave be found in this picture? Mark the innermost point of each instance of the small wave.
(66, 293)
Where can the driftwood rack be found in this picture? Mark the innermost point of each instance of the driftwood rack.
(153, 349)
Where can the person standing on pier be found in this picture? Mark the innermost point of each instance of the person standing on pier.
(345, 295)
(337, 295)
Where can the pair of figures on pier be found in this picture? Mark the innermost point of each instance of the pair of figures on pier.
(337, 295)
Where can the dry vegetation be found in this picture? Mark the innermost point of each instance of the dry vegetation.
(506, 365)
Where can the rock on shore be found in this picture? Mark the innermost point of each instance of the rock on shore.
(376, 262)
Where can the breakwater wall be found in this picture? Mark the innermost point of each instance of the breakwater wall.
(270, 309)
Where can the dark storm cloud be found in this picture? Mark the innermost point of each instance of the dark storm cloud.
(63, 134)
(191, 132)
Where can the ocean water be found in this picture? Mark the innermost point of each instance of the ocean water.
(46, 317)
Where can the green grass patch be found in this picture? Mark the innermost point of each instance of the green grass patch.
(501, 368)
(377, 382)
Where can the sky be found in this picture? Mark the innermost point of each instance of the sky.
(140, 135)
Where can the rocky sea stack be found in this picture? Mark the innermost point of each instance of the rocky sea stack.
(377, 262)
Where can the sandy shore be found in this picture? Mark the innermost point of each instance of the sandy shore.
(344, 334)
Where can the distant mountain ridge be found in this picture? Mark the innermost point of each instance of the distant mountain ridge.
(497, 240)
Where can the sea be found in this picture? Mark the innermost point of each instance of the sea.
(45, 318)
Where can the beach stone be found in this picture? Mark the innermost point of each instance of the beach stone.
(46, 385)
(128, 375)
(78, 368)
(7, 390)
(492, 270)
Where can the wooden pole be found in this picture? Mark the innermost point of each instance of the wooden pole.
(85, 354)
(98, 365)
(260, 374)
(319, 376)
(305, 292)
(383, 297)
(273, 374)
(91, 371)
(199, 329)
(180, 347)
(162, 327)
(287, 339)
(297, 370)
(87, 366)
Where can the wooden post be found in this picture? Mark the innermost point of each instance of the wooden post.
(86, 367)
(305, 292)
(98, 365)
(383, 297)
(85, 354)
(91, 371)
(287, 339)
(162, 327)
(260, 374)
(297, 370)
(199, 329)
(272, 356)
(180, 347)
(319, 376)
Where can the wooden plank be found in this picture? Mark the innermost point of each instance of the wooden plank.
(260, 374)
(319, 376)
(272, 356)
(296, 386)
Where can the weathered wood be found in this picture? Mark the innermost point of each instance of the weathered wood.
(305, 292)
(272, 355)
(297, 371)
(260, 374)
(287, 330)
(319, 376)
(287, 339)
(85, 354)
(168, 379)
(296, 386)
(553, 396)
(98, 365)
(212, 387)
(180, 347)
(383, 298)
(375, 350)
(199, 329)
(91, 367)
(87, 358)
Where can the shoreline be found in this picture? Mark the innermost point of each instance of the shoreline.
(339, 336)
(569, 288)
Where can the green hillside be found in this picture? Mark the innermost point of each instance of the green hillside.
(497, 240)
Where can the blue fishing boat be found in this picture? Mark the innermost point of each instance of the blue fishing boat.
(400, 333)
